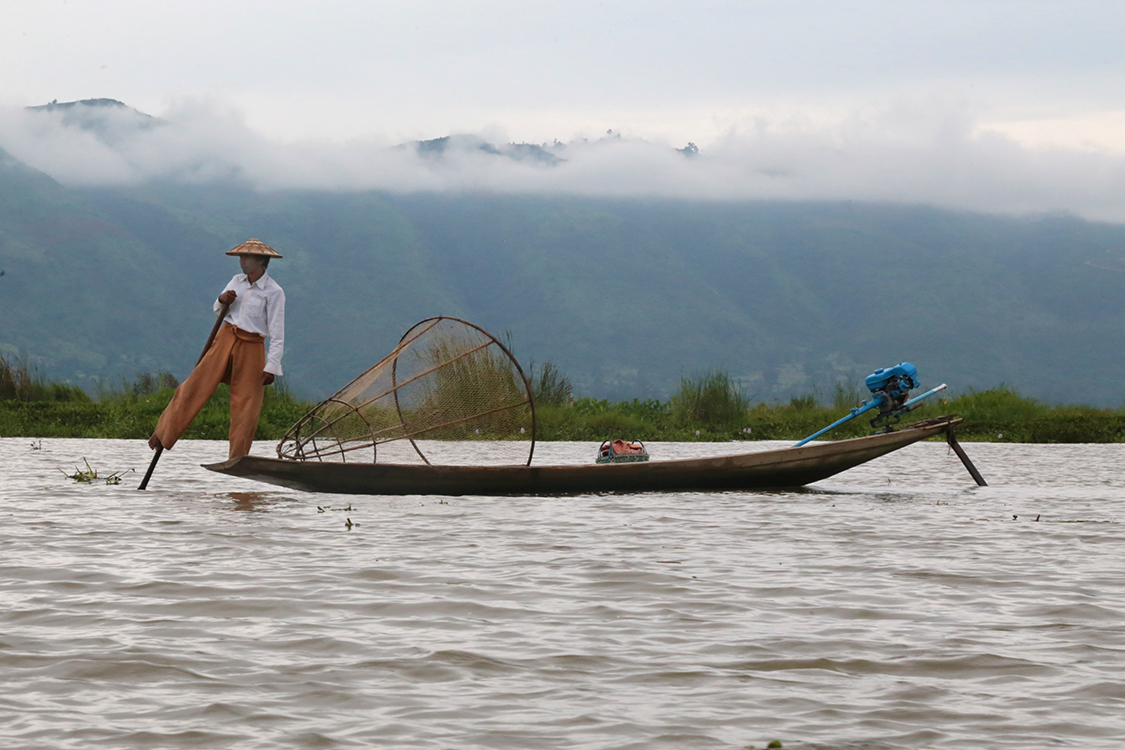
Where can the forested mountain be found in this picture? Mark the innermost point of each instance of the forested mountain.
(625, 296)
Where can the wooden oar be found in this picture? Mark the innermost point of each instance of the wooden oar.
(214, 331)
(206, 347)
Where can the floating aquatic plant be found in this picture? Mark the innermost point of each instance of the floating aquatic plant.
(90, 474)
(82, 476)
(115, 478)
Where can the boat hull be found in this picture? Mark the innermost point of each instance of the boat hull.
(783, 468)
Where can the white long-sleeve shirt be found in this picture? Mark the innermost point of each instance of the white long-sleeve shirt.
(259, 308)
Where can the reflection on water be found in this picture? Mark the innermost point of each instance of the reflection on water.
(254, 502)
(896, 605)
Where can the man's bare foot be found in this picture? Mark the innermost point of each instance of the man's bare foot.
(154, 443)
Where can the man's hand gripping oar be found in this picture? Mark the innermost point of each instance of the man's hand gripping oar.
(226, 298)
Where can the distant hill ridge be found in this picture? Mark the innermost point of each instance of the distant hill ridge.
(437, 147)
(108, 119)
(81, 103)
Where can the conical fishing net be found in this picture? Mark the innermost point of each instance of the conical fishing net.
(449, 393)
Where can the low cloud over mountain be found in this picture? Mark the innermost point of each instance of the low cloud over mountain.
(905, 152)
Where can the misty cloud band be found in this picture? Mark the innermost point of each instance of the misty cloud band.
(925, 153)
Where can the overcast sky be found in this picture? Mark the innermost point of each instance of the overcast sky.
(993, 104)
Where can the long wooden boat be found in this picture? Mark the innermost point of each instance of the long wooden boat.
(773, 469)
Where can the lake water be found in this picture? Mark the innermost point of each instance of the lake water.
(894, 606)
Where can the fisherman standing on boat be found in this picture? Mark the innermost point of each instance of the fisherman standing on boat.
(253, 309)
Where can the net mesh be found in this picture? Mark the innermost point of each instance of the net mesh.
(446, 382)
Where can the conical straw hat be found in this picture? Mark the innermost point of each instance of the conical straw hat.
(254, 246)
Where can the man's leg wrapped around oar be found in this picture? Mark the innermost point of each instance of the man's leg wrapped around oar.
(236, 357)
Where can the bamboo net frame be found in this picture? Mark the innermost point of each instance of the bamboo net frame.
(447, 381)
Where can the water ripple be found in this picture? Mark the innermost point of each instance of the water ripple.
(894, 606)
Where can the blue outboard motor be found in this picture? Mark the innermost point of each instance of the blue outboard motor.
(894, 384)
(890, 387)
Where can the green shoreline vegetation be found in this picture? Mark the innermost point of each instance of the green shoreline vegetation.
(707, 407)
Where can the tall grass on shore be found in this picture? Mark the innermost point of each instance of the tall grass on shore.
(131, 411)
(549, 387)
(996, 415)
(19, 381)
(1002, 415)
(710, 406)
(712, 397)
(147, 384)
(845, 397)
